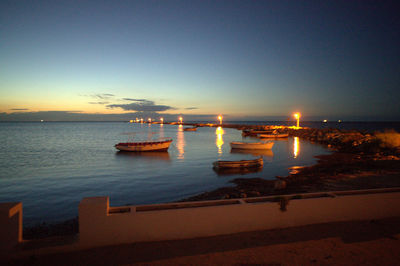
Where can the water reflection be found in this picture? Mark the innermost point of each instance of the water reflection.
(219, 140)
(237, 171)
(296, 147)
(266, 153)
(161, 132)
(152, 155)
(180, 142)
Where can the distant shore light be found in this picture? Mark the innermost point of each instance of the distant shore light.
(297, 116)
(220, 119)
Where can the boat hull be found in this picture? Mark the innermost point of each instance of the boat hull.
(190, 129)
(144, 146)
(273, 136)
(239, 164)
(252, 146)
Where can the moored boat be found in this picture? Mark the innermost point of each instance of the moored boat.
(239, 164)
(190, 129)
(160, 145)
(272, 136)
(252, 145)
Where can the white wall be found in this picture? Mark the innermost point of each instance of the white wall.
(98, 225)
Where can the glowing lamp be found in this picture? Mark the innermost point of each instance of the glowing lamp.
(220, 119)
(162, 120)
(180, 119)
(297, 116)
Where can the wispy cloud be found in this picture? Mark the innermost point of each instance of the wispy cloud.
(19, 109)
(99, 102)
(102, 96)
(134, 100)
(191, 108)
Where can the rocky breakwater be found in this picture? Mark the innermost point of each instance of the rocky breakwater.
(353, 141)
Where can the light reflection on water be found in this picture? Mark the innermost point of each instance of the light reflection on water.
(180, 142)
(219, 141)
(50, 167)
(296, 147)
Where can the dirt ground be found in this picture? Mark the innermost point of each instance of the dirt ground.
(373, 242)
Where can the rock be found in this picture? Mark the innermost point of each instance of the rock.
(280, 184)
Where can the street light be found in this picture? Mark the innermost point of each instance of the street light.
(297, 116)
(220, 119)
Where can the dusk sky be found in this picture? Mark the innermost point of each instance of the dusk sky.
(95, 60)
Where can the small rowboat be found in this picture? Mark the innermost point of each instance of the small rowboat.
(161, 145)
(252, 145)
(190, 129)
(239, 164)
(272, 136)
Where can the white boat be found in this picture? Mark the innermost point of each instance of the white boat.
(160, 145)
(273, 136)
(239, 164)
(252, 145)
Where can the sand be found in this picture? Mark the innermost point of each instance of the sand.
(373, 242)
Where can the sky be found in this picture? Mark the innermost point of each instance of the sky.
(247, 60)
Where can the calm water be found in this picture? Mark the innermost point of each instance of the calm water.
(50, 167)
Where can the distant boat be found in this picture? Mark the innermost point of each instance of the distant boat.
(252, 132)
(239, 164)
(160, 145)
(272, 136)
(252, 145)
(190, 129)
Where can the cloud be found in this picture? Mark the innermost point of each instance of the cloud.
(102, 96)
(19, 109)
(191, 108)
(142, 105)
(99, 102)
(134, 100)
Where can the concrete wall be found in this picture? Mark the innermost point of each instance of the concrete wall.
(10, 224)
(100, 224)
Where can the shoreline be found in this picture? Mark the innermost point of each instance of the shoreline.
(358, 161)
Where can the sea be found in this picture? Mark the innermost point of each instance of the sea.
(51, 166)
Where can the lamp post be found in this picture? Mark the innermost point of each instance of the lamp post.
(220, 119)
(297, 116)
